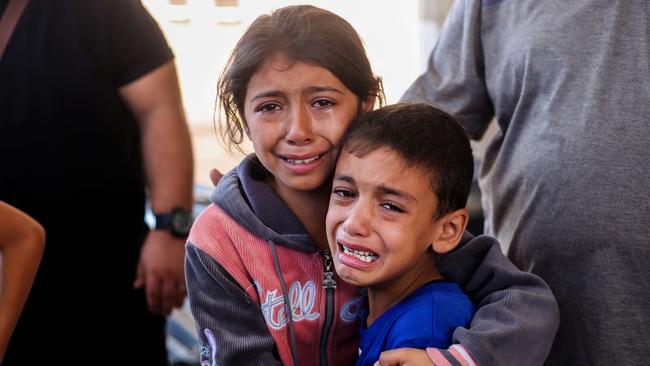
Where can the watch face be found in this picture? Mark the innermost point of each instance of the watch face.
(181, 221)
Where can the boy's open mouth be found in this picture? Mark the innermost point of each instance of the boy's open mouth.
(364, 256)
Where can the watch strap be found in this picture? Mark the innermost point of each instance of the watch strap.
(178, 221)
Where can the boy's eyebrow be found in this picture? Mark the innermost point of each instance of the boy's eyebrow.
(382, 188)
(396, 192)
(345, 178)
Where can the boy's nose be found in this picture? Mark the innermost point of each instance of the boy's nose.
(299, 131)
(357, 223)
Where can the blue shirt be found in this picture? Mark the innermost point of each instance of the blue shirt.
(425, 318)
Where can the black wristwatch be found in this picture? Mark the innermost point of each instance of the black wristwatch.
(178, 222)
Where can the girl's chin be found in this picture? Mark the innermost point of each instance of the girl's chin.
(309, 184)
(304, 184)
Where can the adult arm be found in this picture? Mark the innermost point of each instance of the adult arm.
(231, 327)
(22, 240)
(156, 104)
(455, 75)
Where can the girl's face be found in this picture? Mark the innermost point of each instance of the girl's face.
(296, 113)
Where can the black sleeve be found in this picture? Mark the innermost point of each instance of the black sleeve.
(136, 43)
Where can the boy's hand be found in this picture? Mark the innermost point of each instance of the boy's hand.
(404, 357)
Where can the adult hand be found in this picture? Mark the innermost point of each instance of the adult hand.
(160, 271)
(404, 357)
(215, 176)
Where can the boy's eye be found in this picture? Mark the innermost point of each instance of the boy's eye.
(343, 193)
(392, 207)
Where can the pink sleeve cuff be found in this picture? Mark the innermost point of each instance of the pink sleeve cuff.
(456, 354)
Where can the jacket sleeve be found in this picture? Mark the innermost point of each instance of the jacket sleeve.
(517, 315)
(231, 327)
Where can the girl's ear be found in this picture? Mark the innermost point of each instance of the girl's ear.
(450, 230)
(368, 104)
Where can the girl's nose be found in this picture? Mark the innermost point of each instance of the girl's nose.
(300, 127)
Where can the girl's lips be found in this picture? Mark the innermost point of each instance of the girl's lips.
(301, 164)
(301, 156)
(304, 155)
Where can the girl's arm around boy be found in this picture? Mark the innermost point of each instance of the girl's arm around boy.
(516, 318)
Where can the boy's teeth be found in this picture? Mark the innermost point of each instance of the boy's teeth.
(364, 256)
(303, 161)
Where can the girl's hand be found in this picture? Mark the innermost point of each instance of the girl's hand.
(215, 176)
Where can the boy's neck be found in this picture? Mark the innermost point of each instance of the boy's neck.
(383, 297)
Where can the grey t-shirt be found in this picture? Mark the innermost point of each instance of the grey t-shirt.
(566, 179)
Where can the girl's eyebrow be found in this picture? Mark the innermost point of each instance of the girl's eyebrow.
(310, 89)
(266, 94)
(317, 88)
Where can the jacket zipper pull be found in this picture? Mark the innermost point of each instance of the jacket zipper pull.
(328, 275)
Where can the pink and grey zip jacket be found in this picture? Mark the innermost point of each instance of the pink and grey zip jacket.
(250, 263)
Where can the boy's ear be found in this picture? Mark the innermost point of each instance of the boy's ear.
(450, 230)
(368, 104)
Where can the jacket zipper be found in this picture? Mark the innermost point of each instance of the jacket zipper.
(329, 285)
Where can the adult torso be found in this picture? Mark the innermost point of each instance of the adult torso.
(567, 178)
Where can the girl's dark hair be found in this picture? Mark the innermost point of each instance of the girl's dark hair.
(302, 33)
(425, 137)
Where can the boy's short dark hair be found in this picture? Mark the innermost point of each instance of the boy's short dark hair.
(427, 138)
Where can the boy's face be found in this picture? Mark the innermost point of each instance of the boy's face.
(380, 220)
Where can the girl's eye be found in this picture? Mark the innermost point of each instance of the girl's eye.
(392, 207)
(323, 103)
(268, 107)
